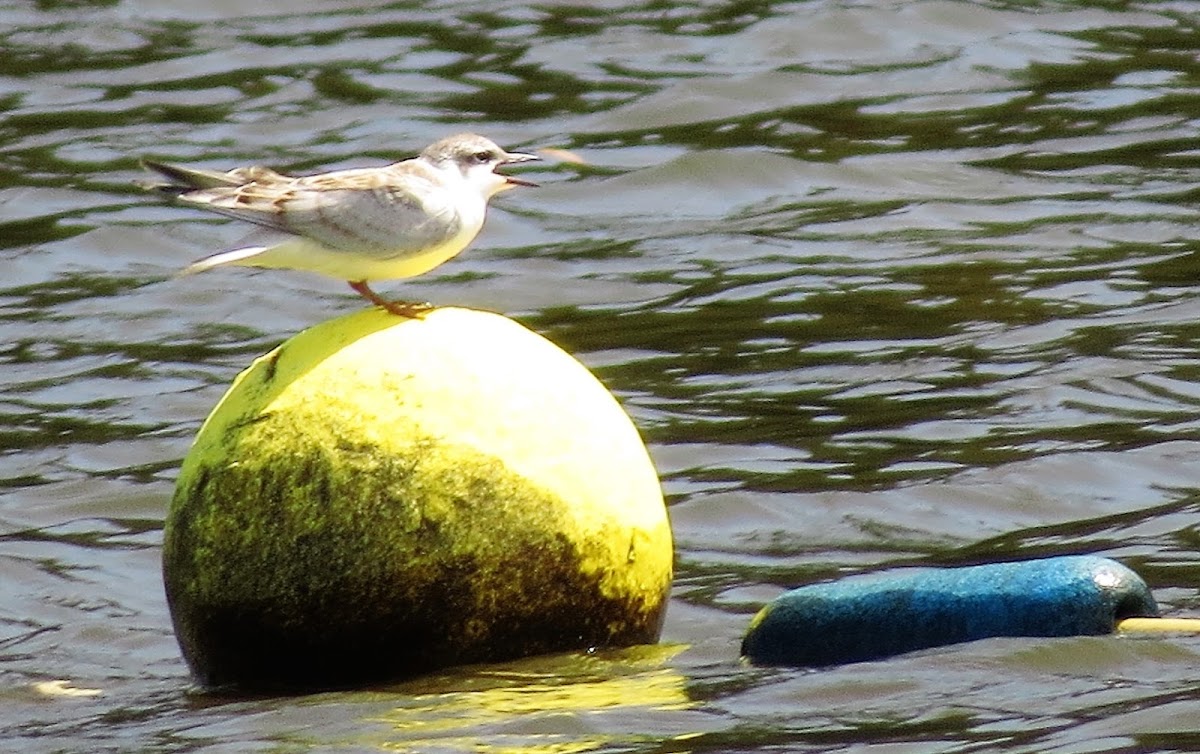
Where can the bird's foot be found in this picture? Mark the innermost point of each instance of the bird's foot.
(409, 309)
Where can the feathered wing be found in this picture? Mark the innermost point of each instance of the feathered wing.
(184, 180)
(385, 220)
(366, 211)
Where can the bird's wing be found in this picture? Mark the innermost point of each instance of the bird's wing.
(183, 180)
(373, 210)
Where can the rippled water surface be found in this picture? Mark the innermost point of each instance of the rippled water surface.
(883, 284)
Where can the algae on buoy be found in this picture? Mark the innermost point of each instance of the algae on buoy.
(379, 497)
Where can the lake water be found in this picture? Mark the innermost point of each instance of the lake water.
(883, 284)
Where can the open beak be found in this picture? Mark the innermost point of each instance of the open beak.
(513, 157)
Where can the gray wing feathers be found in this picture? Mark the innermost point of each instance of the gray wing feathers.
(183, 180)
(352, 210)
(379, 219)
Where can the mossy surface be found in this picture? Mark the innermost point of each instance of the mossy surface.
(331, 526)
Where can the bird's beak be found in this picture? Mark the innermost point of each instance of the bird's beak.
(512, 157)
(518, 157)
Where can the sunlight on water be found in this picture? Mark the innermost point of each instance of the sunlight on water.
(883, 284)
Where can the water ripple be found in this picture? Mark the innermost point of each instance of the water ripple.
(883, 284)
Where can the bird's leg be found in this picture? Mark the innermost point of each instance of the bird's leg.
(410, 309)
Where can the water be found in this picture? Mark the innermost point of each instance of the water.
(883, 284)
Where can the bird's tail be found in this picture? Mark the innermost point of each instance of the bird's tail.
(182, 180)
(233, 256)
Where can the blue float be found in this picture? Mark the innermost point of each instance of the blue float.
(871, 617)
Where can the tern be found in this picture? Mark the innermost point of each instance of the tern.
(356, 225)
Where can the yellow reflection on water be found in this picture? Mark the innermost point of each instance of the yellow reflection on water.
(559, 705)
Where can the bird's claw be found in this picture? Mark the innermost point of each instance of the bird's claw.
(410, 309)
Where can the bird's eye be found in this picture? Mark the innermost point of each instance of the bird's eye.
(482, 156)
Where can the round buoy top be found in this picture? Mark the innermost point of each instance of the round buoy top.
(457, 373)
(382, 496)
(878, 616)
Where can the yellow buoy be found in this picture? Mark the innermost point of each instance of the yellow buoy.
(383, 496)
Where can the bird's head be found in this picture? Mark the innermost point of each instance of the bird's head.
(476, 159)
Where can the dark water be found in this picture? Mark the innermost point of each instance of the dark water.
(883, 283)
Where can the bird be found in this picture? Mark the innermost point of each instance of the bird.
(357, 225)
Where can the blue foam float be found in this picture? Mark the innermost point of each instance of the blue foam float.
(872, 617)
